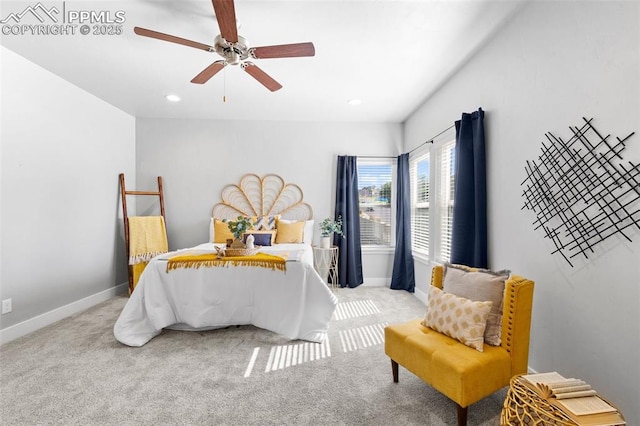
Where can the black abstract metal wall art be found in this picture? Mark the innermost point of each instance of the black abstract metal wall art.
(582, 192)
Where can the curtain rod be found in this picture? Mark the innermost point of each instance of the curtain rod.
(430, 140)
(424, 143)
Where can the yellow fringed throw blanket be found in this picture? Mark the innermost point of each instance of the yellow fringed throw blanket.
(210, 260)
(147, 238)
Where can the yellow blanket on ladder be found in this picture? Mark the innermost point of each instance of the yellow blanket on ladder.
(147, 238)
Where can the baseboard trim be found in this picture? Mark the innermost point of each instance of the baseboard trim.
(386, 282)
(376, 282)
(29, 326)
(421, 296)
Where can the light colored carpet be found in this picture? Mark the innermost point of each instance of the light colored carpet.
(74, 372)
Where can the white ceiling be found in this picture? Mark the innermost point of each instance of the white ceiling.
(390, 54)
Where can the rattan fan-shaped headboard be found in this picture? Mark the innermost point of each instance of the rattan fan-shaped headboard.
(266, 196)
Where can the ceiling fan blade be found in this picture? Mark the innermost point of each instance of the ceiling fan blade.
(284, 51)
(173, 39)
(226, 15)
(209, 72)
(261, 76)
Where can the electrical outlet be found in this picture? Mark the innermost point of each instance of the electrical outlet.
(6, 306)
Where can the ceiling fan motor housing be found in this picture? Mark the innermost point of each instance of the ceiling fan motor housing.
(233, 53)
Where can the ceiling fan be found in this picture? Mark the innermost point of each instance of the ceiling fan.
(234, 49)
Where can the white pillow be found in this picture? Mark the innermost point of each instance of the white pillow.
(307, 232)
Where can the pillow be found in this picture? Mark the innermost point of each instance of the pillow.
(221, 232)
(264, 223)
(307, 235)
(479, 285)
(307, 232)
(261, 238)
(457, 317)
(289, 232)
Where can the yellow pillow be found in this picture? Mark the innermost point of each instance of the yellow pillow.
(221, 231)
(289, 232)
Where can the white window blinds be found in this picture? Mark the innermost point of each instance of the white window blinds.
(419, 175)
(432, 185)
(375, 186)
(447, 185)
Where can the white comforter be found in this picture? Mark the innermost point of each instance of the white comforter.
(295, 303)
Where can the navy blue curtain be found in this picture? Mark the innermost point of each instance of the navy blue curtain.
(469, 228)
(348, 208)
(403, 276)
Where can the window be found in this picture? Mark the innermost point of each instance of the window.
(447, 184)
(419, 175)
(375, 189)
(432, 185)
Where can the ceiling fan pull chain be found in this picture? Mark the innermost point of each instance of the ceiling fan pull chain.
(224, 86)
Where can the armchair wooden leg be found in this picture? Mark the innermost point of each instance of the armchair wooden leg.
(394, 370)
(462, 415)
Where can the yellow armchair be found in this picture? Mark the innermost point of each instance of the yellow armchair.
(461, 373)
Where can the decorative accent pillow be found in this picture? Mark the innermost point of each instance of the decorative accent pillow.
(221, 232)
(261, 238)
(307, 232)
(264, 223)
(479, 285)
(289, 232)
(457, 317)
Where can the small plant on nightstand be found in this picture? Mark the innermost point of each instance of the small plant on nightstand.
(328, 227)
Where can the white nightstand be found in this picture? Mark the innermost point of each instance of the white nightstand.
(325, 261)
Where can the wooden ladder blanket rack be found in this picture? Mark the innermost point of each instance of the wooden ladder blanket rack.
(123, 192)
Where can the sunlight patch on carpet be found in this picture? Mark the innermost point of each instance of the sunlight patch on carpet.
(358, 308)
(252, 361)
(289, 355)
(362, 337)
(284, 356)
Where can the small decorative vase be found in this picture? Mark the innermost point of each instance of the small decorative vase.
(325, 242)
(250, 242)
(237, 243)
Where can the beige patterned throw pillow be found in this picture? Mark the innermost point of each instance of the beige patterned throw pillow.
(457, 317)
(479, 285)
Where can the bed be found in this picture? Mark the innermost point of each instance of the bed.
(287, 297)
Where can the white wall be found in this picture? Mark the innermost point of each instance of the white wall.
(62, 150)
(553, 64)
(196, 158)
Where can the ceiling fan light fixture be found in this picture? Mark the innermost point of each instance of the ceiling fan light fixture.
(233, 58)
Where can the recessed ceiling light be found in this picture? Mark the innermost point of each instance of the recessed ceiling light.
(354, 101)
(172, 98)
